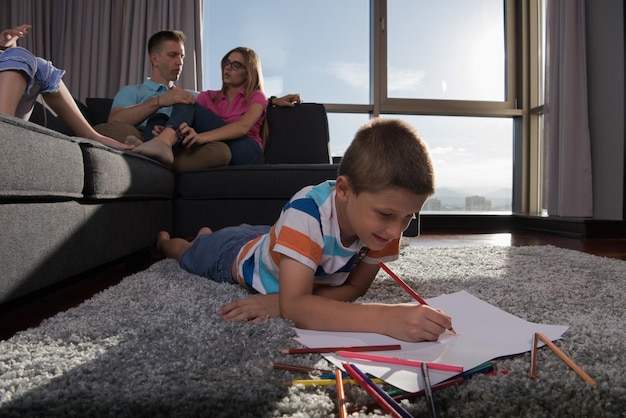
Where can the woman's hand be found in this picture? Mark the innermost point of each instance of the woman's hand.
(9, 37)
(156, 131)
(253, 309)
(190, 136)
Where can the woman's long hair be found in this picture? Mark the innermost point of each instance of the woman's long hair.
(252, 62)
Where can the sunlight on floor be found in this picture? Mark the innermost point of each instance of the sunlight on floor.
(451, 240)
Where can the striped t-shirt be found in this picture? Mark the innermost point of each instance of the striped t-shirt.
(307, 231)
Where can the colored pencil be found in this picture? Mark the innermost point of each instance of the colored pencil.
(341, 397)
(533, 356)
(565, 358)
(406, 287)
(308, 350)
(411, 395)
(301, 369)
(324, 382)
(400, 361)
(380, 399)
(429, 391)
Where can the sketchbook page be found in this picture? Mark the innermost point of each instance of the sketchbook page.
(484, 332)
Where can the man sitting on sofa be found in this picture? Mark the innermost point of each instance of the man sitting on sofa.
(133, 105)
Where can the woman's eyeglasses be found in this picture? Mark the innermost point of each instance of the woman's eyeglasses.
(235, 65)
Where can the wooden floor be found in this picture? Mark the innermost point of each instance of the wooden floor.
(30, 311)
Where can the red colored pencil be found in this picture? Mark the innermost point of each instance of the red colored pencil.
(307, 350)
(406, 287)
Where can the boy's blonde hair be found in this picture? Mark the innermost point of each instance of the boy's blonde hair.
(388, 153)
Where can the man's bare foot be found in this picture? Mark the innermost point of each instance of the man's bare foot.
(133, 140)
(158, 150)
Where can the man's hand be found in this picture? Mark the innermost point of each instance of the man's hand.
(253, 309)
(9, 37)
(176, 95)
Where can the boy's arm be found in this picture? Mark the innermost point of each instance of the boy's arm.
(355, 286)
(307, 310)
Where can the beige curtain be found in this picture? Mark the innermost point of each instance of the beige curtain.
(102, 44)
(568, 178)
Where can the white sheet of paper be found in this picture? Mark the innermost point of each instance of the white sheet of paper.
(484, 332)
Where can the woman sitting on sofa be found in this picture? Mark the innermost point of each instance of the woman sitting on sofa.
(234, 115)
(24, 76)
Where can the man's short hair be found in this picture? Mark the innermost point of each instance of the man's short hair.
(158, 38)
(388, 153)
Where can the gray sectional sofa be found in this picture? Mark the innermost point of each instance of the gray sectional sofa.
(68, 205)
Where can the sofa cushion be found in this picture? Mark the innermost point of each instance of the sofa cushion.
(38, 163)
(113, 174)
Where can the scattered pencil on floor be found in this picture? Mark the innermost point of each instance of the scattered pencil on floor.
(309, 350)
(533, 358)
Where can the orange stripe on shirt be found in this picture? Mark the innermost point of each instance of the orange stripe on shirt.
(299, 243)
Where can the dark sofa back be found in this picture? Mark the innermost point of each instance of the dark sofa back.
(297, 135)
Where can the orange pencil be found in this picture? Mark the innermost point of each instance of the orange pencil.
(562, 356)
(406, 287)
(341, 397)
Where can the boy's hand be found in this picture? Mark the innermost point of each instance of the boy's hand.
(416, 322)
(253, 309)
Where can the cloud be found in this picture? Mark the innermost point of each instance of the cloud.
(357, 75)
(352, 73)
(405, 80)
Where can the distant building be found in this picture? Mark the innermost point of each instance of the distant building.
(477, 203)
(432, 204)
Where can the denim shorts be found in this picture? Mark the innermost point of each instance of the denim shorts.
(43, 77)
(212, 255)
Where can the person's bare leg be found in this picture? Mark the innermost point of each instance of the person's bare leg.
(65, 107)
(12, 85)
(160, 147)
(176, 247)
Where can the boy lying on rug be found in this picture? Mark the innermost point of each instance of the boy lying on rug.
(324, 249)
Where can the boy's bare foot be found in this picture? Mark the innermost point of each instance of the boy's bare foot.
(161, 236)
(204, 230)
(133, 140)
(158, 150)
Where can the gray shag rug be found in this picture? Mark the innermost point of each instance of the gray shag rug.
(154, 346)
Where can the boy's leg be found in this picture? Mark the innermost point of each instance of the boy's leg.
(12, 85)
(176, 247)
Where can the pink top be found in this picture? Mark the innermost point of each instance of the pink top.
(237, 108)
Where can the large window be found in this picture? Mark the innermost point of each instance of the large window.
(448, 67)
